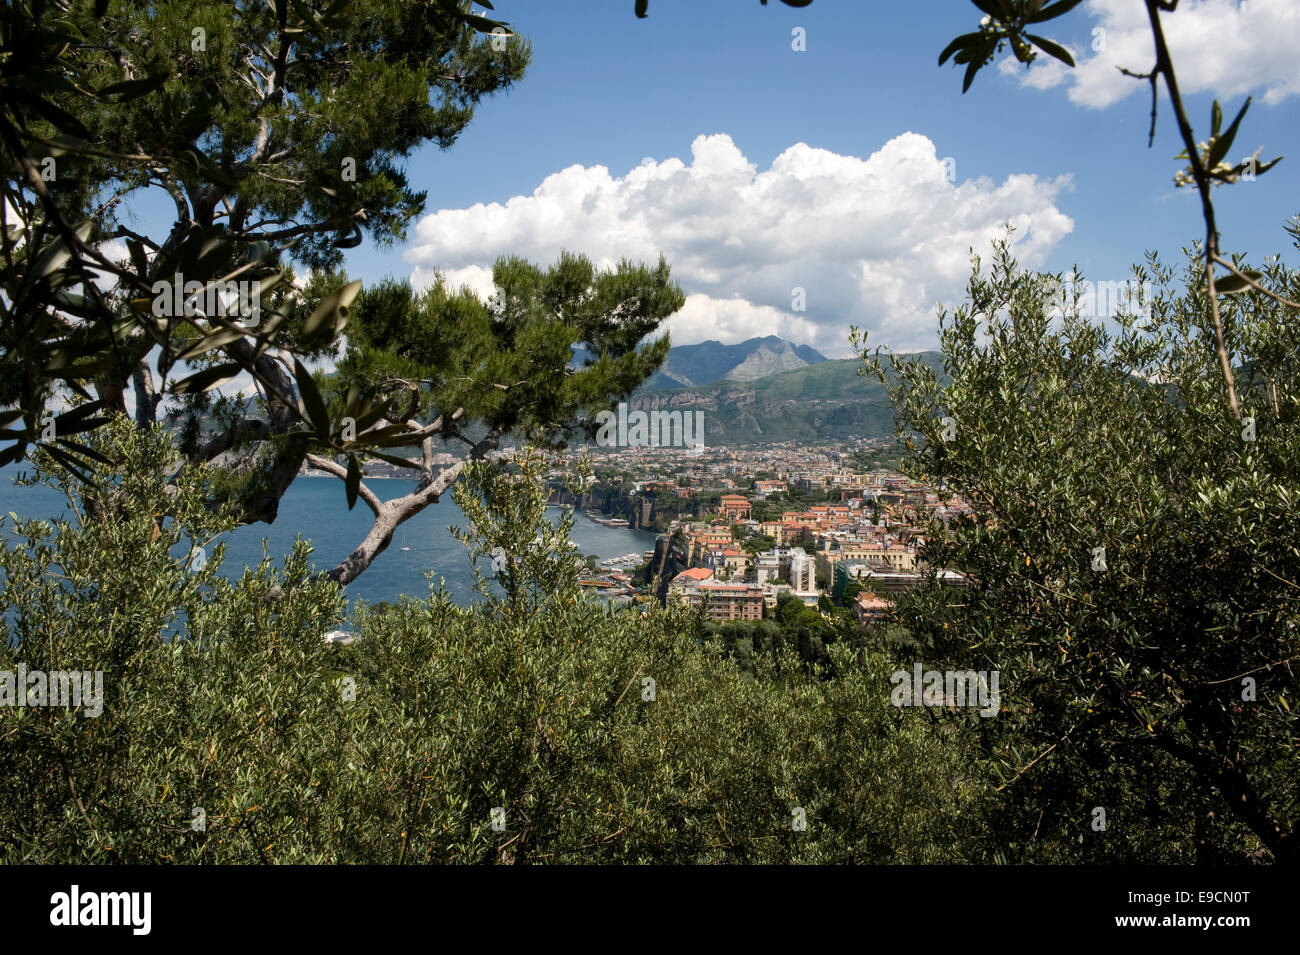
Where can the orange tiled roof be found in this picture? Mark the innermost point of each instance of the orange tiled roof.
(695, 573)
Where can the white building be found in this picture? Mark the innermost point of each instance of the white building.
(802, 575)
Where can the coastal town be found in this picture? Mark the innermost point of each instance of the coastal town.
(741, 529)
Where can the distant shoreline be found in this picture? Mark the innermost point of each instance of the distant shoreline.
(364, 476)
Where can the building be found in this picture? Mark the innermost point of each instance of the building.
(688, 578)
(896, 582)
(794, 565)
(721, 601)
(895, 556)
(767, 567)
(727, 563)
(845, 571)
(802, 575)
(772, 594)
(872, 609)
(699, 543)
(734, 508)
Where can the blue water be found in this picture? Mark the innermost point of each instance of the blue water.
(317, 509)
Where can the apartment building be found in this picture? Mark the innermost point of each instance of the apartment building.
(688, 579)
(802, 575)
(700, 542)
(767, 567)
(846, 571)
(722, 601)
(896, 556)
(792, 564)
(727, 563)
(889, 582)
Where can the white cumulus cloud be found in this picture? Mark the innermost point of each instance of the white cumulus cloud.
(873, 242)
(1227, 47)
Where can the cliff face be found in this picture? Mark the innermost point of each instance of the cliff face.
(710, 399)
(767, 359)
(593, 500)
(664, 567)
(638, 510)
(707, 363)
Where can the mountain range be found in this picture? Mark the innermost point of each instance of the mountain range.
(806, 397)
(769, 390)
(710, 362)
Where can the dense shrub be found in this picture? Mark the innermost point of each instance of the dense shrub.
(398, 747)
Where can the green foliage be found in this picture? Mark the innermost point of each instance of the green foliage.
(210, 694)
(276, 130)
(535, 561)
(398, 747)
(878, 459)
(505, 363)
(1004, 23)
(1155, 682)
(642, 6)
(279, 131)
(1213, 152)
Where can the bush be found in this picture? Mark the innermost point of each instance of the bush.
(1133, 561)
(222, 699)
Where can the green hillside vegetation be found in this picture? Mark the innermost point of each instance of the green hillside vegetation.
(826, 401)
(832, 379)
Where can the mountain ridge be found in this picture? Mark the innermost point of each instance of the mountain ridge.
(819, 401)
(708, 362)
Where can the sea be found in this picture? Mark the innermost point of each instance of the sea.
(316, 508)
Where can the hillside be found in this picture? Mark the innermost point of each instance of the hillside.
(822, 401)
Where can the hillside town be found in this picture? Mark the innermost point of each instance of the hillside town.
(743, 528)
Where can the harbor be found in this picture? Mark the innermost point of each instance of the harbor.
(597, 518)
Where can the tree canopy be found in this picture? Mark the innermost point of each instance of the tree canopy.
(1131, 557)
(277, 134)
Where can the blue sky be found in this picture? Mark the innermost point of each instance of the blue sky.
(1066, 153)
